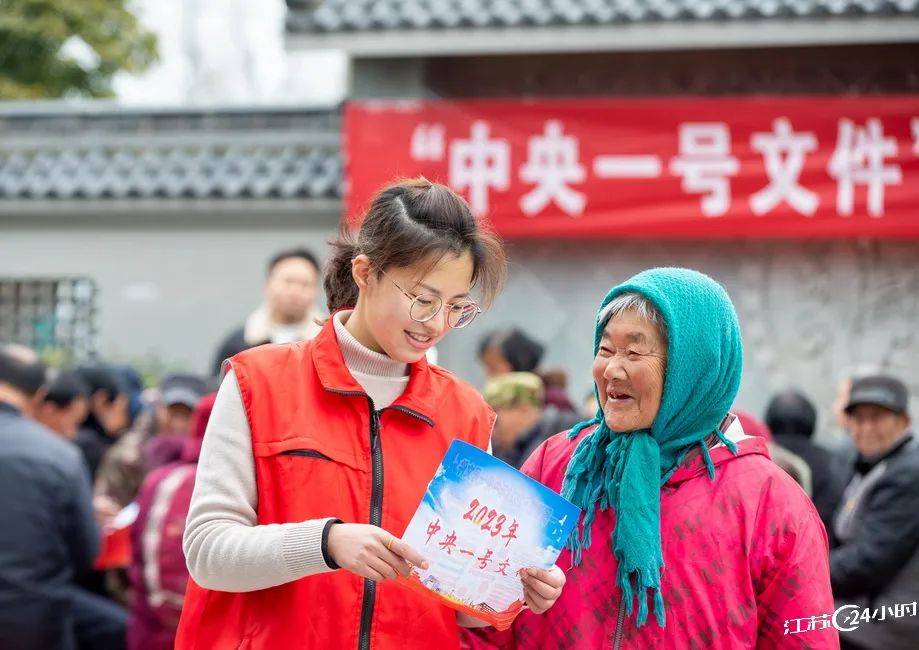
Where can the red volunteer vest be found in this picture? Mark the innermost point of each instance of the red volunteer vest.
(322, 450)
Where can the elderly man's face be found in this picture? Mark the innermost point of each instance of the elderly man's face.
(876, 429)
(629, 372)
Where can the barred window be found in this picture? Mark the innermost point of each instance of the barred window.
(54, 316)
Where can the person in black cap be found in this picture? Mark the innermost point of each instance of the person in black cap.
(179, 395)
(792, 418)
(155, 441)
(876, 562)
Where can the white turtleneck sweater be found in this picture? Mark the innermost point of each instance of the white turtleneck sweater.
(225, 548)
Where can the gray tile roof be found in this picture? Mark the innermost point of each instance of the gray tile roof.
(380, 15)
(117, 154)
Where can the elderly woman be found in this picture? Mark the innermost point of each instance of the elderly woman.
(686, 520)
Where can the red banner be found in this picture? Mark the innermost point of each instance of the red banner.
(687, 167)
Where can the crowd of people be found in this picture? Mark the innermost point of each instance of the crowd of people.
(238, 516)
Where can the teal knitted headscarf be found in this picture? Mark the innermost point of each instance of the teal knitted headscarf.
(625, 470)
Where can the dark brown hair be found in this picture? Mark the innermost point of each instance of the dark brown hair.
(293, 253)
(410, 222)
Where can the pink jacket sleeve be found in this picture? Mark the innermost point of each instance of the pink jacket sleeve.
(789, 562)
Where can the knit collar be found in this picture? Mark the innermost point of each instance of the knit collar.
(360, 358)
(419, 398)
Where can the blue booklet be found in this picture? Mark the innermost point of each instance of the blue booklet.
(480, 523)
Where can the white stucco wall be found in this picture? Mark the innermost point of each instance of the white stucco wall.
(810, 312)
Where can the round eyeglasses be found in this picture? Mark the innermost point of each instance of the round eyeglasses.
(426, 306)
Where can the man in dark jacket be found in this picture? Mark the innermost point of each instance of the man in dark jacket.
(876, 564)
(49, 534)
(792, 419)
(289, 311)
(524, 419)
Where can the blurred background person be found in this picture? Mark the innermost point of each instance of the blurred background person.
(49, 536)
(62, 403)
(108, 415)
(288, 312)
(792, 419)
(155, 441)
(793, 464)
(876, 561)
(158, 573)
(555, 380)
(138, 406)
(107, 419)
(509, 350)
(175, 408)
(840, 441)
(524, 419)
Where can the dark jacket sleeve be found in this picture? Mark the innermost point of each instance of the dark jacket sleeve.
(887, 536)
(83, 536)
(234, 343)
(828, 484)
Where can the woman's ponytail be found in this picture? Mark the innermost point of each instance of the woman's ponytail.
(340, 288)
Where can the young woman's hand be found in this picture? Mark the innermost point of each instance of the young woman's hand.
(542, 587)
(371, 552)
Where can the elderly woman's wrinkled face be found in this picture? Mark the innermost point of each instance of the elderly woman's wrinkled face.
(629, 372)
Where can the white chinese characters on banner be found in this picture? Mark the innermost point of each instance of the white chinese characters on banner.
(478, 165)
(705, 164)
(552, 165)
(783, 154)
(914, 125)
(859, 160)
(552, 171)
(613, 166)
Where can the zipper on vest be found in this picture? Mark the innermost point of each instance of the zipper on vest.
(620, 619)
(414, 414)
(376, 518)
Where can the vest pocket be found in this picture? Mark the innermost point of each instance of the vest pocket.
(307, 480)
(309, 453)
(298, 449)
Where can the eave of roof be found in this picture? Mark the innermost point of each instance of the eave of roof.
(647, 36)
(57, 153)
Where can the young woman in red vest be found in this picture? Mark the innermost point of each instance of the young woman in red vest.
(317, 453)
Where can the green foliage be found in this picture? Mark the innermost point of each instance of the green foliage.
(32, 33)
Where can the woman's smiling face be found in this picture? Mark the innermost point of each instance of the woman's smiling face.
(629, 371)
(387, 310)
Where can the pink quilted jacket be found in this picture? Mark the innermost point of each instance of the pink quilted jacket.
(743, 554)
